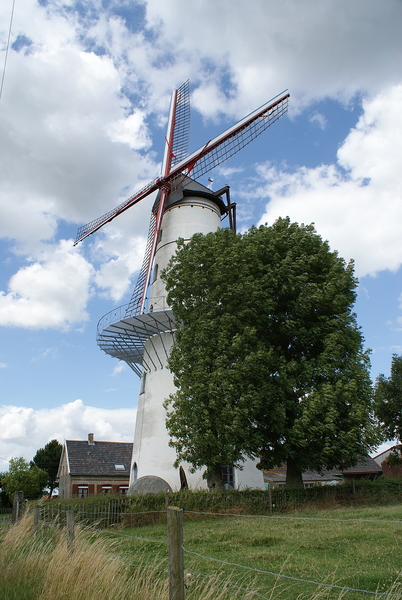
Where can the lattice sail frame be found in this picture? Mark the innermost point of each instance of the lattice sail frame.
(203, 160)
(235, 138)
(135, 306)
(181, 135)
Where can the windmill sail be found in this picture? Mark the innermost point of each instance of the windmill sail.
(233, 139)
(98, 223)
(204, 159)
(176, 151)
(176, 146)
(181, 134)
(135, 306)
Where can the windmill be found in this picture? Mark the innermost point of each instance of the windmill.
(141, 333)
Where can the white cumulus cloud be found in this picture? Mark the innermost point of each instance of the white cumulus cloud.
(24, 430)
(255, 50)
(52, 292)
(355, 203)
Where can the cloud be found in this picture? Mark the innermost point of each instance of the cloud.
(245, 53)
(96, 88)
(70, 152)
(121, 255)
(318, 119)
(24, 430)
(121, 366)
(48, 353)
(355, 203)
(50, 293)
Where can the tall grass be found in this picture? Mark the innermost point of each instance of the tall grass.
(42, 568)
(106, 564)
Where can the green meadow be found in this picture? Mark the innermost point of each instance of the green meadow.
(285, 556)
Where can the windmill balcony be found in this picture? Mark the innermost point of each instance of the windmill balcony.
(125, 336)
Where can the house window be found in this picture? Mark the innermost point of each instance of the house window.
(82, 491)
(119, 467)
(123, 490)
(228, 477)
(106, 489)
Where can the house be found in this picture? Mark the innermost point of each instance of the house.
(367, 469)
(90, 467)
(391, 469)
(276, 477)
(379, 459)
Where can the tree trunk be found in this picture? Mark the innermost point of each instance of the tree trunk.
(214, 479)
(293, 475)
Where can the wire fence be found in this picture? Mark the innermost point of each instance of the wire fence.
(104, 514)
(197, 566)
(5, 517)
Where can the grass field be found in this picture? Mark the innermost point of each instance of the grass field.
(357, 548)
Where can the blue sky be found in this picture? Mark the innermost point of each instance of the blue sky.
(82, 122)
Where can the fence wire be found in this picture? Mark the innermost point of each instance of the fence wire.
(237, 589)
(196, 512)
(299, 580)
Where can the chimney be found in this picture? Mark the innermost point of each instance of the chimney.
(91, 441)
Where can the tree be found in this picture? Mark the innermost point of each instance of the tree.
(268, 359)
(4, 500)
(388, 400)
(48, 459)
(24, 477)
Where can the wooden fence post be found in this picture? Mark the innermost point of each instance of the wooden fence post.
(17, 506)
(175, 548)
(70, 530)
(270, 498)
(36, 519)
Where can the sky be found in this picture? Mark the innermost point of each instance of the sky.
(83, 109)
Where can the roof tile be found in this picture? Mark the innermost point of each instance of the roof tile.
(99, 458)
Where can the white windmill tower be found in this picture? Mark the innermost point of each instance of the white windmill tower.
(142, 332)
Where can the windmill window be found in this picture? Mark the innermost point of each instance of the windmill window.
(155, 273)
(228, 477)
(135, 472)
(142, 383)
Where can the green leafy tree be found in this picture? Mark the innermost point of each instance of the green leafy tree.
(268, 359)
(24, 477)
(388, 400)
(48, 459)
(4, 500)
